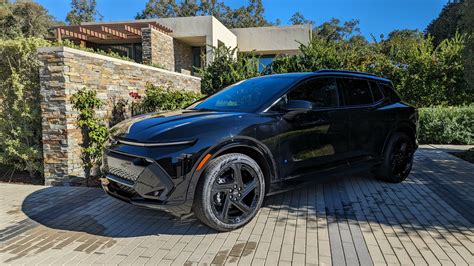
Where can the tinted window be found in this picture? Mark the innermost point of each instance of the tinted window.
(322, 92)
(355, 91)
(376, 93)
(389, 92)
(246, 96)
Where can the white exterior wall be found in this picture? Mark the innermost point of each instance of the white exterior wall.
(208, 31)
(272, 40)
(208, 28)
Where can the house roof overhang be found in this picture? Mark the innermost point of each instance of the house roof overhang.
(107, 33)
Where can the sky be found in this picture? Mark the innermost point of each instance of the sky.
(376, 16)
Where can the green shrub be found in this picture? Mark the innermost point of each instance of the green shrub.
(20, 112)
(226, 69)
(159, 98)
(94, 132)
(423, 74)
(68, 43)
(447, 125)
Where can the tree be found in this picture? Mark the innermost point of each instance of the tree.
(468, 25)
(83, 11)
(404, 34)
(159, 9)
(226, 69)
(447, 23)
(299, 19)
(332, 30)
(20, 110)
(248, 16)
(24, 18)
(251, 15)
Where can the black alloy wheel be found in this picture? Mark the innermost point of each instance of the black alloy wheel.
(398, 159)
(232, 192)
(401, 158)
(235, 193)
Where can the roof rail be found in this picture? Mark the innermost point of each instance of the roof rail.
(345, 71)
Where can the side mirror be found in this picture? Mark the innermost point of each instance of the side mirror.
(298, 105)
(294, 108)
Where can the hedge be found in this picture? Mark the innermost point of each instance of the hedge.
(446, 125)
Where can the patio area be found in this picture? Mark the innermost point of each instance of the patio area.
(428, 219)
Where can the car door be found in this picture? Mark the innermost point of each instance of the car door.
(357, 98)
(318, 138)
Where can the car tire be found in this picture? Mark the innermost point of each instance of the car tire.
(397, 159)
(222, 201)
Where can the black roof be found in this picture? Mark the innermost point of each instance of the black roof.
(331, 72)
(351, 73)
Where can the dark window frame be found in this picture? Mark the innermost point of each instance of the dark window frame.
(392, 91)
(343, 96)
(339, 101)
(373, 82)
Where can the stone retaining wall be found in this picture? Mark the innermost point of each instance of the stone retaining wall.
(64, 72)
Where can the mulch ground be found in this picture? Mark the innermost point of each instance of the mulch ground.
(8, 175)
(465, 155)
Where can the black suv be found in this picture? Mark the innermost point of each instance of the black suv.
(219, 157)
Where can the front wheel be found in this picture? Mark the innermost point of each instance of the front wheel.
(398, 159)
(230, 192)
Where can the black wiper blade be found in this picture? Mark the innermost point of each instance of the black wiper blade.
(204, 109)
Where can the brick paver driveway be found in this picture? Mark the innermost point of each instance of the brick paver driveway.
(428, 219)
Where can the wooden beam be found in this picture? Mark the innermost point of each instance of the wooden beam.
(73, 34)
(93, 33)
(159, 28)
(114, 32)
(58, 35)
(132, 30)
(151, 26)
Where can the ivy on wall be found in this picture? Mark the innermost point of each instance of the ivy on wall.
(94, 133)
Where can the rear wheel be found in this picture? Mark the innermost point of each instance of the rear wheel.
(398, 159)
(230, 192)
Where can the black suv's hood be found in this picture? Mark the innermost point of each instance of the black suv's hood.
(179, 125)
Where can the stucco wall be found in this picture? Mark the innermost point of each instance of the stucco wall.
(272, 40)
(63, 73)
(201, 30)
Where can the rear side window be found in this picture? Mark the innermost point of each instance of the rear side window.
(376, 93)
(322, 92)
(389, 92)
(355, 91)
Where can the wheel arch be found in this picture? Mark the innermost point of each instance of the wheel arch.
(245, 145)
(403, 127)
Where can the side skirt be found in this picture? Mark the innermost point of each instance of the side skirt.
(321, 176)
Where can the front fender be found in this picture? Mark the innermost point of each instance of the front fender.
(222, 147)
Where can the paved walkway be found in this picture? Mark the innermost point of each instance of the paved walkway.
(428, 219)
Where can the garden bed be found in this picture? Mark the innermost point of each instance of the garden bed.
(465, 155)
(8, 175)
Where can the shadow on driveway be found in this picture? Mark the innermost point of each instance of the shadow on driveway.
(437, 194)
(434, 205)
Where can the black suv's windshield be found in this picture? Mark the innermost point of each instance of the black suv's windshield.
(246, 96)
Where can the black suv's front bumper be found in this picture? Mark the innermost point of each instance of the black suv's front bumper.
(141, 182)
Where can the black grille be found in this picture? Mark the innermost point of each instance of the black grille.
(123, 173)
(123, 167)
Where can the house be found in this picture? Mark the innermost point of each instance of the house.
(182, 44)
